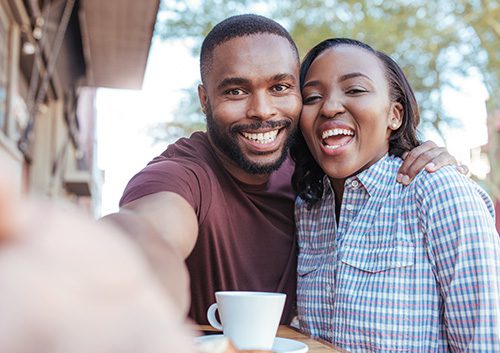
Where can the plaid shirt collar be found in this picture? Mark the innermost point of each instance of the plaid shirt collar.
(375, 179)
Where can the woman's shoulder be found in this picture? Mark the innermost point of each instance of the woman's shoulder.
(448, 185)
(444, 178)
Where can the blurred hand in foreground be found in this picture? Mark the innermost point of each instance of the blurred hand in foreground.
(69, 285)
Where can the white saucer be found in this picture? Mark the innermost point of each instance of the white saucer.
(280, 345)
(287, 345)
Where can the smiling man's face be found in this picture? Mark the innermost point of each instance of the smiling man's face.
(252, 101)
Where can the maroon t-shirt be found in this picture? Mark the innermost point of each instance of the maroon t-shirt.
(246, 235)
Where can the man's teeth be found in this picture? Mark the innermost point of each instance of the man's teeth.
(336, 132)
(262, 137)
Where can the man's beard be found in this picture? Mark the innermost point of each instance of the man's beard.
(227, 143)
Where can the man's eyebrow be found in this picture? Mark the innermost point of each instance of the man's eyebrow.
(232, 81)
(284, 77)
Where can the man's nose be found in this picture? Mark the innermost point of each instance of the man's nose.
(261, 106)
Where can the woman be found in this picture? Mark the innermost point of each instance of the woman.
(382, 266)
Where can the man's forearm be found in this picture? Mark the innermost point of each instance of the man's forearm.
(164, 259)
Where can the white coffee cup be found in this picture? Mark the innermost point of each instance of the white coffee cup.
(249, 319)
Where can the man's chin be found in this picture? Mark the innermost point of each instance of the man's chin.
(262, 162)
(261, 165)
(247, 159)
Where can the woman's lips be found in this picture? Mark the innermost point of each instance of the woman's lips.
(336, 137)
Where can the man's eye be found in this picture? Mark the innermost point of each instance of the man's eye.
(280, 88)
(234, 92)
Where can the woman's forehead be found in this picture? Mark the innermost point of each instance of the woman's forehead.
(344, 59)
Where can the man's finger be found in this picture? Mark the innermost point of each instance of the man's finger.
(441, 160)
(436, 156)
(463, 169)
(425, 159)
(410, 156)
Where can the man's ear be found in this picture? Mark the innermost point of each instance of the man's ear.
(202, 95)
(396, 116)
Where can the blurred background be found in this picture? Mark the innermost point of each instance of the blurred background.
(91, 90)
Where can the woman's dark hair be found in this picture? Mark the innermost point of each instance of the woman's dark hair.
(307, 179)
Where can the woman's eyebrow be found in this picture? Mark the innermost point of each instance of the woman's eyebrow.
(345, 77)
(353, 75)
(314, 83)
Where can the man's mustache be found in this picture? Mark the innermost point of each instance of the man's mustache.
(264, 125)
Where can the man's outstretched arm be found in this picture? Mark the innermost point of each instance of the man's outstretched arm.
(165, 227)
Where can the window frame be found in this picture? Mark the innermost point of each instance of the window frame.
(5, 24)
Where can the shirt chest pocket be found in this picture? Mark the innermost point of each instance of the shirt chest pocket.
(379, 259)
(313, 270)
(314, 281)
(384, 273)
(309, 263)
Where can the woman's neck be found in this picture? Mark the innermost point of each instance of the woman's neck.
(338, 189)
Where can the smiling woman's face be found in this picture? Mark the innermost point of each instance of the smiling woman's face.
(347, 116)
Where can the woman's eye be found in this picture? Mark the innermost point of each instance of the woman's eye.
(311, 99)
(355, 90)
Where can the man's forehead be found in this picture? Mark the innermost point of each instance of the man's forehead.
(256, 54)
(255, 41)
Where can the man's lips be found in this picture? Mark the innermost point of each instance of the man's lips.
(262, 133)
(261, 137)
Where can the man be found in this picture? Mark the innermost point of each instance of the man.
(222, 199)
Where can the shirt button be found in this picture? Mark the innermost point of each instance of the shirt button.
(349, 207)
(354, 184)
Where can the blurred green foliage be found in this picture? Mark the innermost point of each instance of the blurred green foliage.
(435, 42)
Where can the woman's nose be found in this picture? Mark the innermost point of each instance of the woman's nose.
(332, 107)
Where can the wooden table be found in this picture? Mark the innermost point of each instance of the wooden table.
(315, 345)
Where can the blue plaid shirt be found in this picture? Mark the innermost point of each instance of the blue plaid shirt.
(407, 269)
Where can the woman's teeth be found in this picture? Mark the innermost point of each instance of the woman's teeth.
(331, 141)
(336, 132)
(262, 137)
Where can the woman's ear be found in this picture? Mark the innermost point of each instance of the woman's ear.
(396, 116)
(202, 95)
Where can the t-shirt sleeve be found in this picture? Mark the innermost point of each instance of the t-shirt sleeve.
(168, 175)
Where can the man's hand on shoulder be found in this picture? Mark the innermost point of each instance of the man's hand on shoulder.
(427, 156)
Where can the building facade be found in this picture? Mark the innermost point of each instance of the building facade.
(53, 56)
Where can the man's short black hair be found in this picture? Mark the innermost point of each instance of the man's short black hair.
(239, 26)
